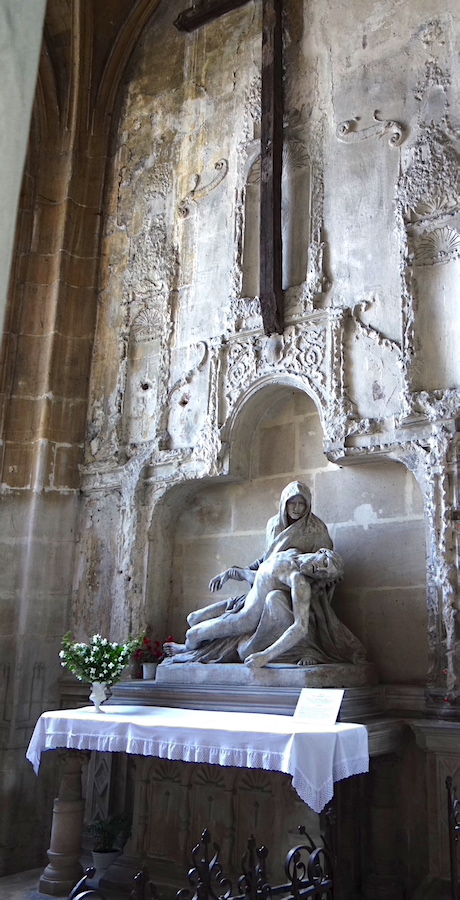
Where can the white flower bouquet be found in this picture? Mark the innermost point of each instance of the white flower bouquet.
(99, 661)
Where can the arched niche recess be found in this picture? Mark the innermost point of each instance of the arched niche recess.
(374, 512)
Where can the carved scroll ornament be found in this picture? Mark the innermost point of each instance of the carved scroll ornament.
(349, 132)
(200, 190)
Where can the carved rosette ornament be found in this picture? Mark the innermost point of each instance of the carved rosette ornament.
(147, 325)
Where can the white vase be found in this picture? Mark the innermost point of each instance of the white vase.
(149, 670)
(98, 694)
(101, 862)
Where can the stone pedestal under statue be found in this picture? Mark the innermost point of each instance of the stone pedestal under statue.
(273, 675)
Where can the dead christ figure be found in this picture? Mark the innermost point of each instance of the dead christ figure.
(287, 569)
(287, 615)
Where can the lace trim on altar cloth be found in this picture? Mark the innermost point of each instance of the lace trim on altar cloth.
(316, 798)
(221, 756)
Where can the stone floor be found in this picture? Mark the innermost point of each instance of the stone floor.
(24, 886)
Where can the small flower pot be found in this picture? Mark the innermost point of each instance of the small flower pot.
(149, 671)
(101, 862)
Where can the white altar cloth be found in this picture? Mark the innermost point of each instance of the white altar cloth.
(315, 755)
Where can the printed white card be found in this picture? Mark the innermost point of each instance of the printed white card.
(319, 706)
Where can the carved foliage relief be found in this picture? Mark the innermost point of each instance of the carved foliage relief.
(299, 351)
(135, 324)
(429, 204)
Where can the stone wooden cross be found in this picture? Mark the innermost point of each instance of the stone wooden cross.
(271, 149)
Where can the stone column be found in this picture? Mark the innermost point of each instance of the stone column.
(64, 869)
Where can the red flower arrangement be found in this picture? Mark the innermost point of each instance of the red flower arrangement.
(148, 651)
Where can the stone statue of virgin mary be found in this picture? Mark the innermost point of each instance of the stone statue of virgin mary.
(287, 615)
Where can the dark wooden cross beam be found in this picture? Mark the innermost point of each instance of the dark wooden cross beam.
(204, 12)
(271, 147)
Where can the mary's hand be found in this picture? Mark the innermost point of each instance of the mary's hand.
(218, 581)
(235, 572)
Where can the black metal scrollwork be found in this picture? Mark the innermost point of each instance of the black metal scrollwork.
(206, 873)
(82, 891)
(308, 869)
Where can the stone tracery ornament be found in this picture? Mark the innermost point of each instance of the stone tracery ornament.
(241, 366)
(349, 132)
(306, 352)
(310, 354)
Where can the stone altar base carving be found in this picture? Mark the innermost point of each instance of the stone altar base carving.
(272, 675)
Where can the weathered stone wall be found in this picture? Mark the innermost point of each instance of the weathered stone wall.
(182, 371)
(36, 552)
(186, 447)
(21, 24)
(46, 356)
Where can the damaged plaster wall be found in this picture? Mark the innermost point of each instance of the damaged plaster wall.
(180, 357)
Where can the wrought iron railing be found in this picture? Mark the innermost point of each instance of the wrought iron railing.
(308, 869)
(81, 891)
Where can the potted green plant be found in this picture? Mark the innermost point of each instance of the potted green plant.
(109, 837)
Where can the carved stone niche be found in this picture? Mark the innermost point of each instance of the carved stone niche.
(200, 526)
